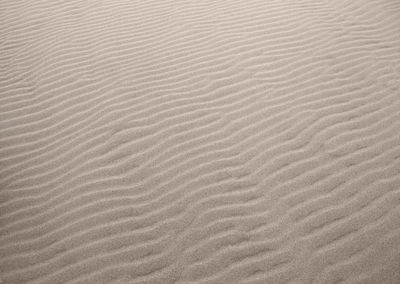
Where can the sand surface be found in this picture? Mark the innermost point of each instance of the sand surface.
(189, 141)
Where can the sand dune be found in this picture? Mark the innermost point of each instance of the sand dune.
(200, 141)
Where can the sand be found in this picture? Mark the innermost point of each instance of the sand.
(178, 141)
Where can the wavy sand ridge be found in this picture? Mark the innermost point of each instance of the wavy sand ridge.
(200, 141)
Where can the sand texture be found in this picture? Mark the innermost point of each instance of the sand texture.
(190, 141)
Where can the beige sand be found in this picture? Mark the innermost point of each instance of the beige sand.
(189, 141)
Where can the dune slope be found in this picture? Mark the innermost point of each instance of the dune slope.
(182, 141)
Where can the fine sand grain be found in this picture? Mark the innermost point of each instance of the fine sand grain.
(190, 141)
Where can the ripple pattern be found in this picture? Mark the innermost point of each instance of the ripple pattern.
(183, 141)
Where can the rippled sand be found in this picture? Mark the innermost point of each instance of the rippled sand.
(178, 141)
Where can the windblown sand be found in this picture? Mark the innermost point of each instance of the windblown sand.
(216, 141)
